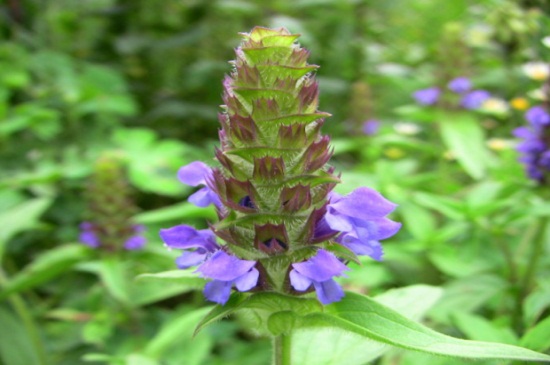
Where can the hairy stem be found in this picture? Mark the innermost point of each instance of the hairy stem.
(281, 349)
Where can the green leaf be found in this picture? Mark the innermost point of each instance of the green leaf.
(47, 266)
(464, 136)
(113, 275)
(467, 294)
(174, 332)
(452, 208)
(418, 221)
(328, 346)
(538, 337)
(221, 311)
(365, 317)
(417, 113)
(478, 328)
(536, 303)
(179, 276)
(21, 217)
(149, 288)
(137, 359)
(98, 357)
(457, 263)
(15, 345)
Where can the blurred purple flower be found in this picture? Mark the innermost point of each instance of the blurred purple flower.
(460, 85)
(474, 99)
(227, 270)
(534, 146)
(197, 244)
(537, 116)
(137, 241)
(371, 127)
(361, 218)
(427, 96)
(319, 270)
(88, 236)
(195, 174)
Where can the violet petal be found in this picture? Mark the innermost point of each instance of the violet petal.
(328, 291)
(225, 267)
(191, 258)
(248, 280)
(185, 237)
(194, 174)
(321, 267)
(217, 291)
(299, 281)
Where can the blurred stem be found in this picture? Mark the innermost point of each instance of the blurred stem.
(281, 349)
(20, 308)
(536, 254)
(528, 280)
(508, 257)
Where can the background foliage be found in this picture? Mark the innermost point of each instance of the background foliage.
(142, 79)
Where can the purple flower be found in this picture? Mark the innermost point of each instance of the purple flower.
(196, 174)
(459, 85)
(137, 241)
(474, 99)
(534, 146)
(197, 244)
(227, 270)
(361, 218)
(319, 270)
(427, 96)
(88, 236)
(371, 127)
(537, 116)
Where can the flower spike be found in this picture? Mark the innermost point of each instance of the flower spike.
(273, 187)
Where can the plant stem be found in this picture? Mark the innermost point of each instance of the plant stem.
(536, 254)
(281, 349)
(20, 308)
(537, 250)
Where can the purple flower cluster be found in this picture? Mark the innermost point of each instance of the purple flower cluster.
(90, 236)
(470, 99)
(535, 145)
(357, 221)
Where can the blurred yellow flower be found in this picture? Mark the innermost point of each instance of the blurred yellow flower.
(536, 70)
(394, 153)
(519, 103)
(499, 144)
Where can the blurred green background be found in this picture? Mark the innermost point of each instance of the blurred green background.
(142, 79)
